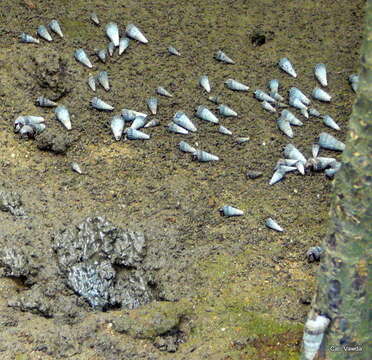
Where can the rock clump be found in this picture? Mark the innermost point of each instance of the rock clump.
(102, 263)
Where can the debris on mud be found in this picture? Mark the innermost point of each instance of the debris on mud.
(259, 37)
(7, 320)
(168, 343)
(253, 174)
(52, 141)
(101, 263)
(14, 262)
(11, 202)
(50, 300)
(33, 301)
(18, 259)
(314, 253)
(52, 73)
(163, 322)
(306, 297)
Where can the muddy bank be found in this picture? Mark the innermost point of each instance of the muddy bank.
(230, 288)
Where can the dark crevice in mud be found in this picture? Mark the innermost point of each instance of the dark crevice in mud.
(21, 282)
(112, 307)
(123, 269)
(170, 340)
(258, 39)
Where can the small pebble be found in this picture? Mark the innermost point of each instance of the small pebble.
(314, 253)
(252, 174)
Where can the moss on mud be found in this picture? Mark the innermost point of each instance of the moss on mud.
(231, 311)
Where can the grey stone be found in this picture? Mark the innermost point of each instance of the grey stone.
(14, 262)
(11, 202)
(252, 174)
(101, 263)
(314, 253)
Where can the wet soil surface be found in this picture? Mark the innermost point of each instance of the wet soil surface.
(209, 287)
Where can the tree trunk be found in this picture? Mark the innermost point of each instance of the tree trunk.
(341, 294)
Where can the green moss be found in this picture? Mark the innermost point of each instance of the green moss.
(233, 312)
(241, 332)
(21, 357)
(153, 320)
(78, 29)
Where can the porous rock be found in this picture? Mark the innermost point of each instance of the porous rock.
(314, 253)
(14, 262)
(33, 301)
(50, 299)
(50, 140)
(101, 263)
(11, 202)
(253, 174)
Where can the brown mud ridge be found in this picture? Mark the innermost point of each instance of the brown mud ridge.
(142, 221)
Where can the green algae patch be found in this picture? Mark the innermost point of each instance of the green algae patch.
(152, 320)
(22, 357)
(78, 29)
(264, 336)
(238, 333)
(233, 310)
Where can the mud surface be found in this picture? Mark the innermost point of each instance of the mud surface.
(225, 288)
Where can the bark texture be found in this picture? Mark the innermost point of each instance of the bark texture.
(342, 292)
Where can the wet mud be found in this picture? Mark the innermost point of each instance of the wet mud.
(214, 287)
